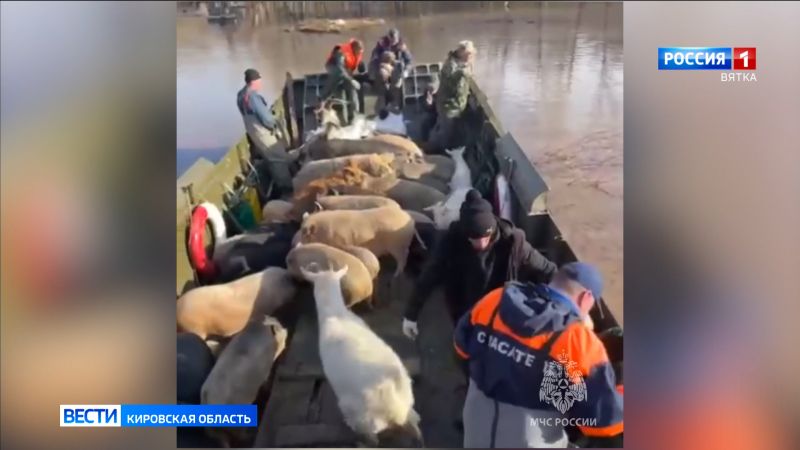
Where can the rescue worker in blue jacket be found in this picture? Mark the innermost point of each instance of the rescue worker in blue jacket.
(390, 43)
(535, 366)
(262, 131)
(388, 83)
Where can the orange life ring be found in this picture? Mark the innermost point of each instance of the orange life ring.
(202, 261)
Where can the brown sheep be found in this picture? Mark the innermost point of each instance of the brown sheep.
(367, 257)
(361, 202)
(381, 165)
(436, 167)
(410, 148)
(332, 148)
(353, 181)
(353, 202)
(357, 284)
(376, 165)
(383, 231)
(243, 366)
(350, 180)
(245, 363)
(223, 309)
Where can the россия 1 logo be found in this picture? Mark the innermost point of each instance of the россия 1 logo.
(739, 62)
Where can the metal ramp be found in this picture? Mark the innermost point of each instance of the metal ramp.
(417, 81)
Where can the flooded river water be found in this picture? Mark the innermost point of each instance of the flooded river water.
(552, 73)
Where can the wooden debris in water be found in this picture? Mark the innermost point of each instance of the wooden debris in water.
(334, 25)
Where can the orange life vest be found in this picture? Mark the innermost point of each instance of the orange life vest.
(351, 60)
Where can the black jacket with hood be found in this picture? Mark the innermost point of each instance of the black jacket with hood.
(468, 275)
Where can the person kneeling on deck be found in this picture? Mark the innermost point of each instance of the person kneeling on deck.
(262, 131)
(451, 100)
(478, 253)
(387, 84)
(535, 367)
(344, 61)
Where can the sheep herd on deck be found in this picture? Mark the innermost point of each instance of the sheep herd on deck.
(358, 196)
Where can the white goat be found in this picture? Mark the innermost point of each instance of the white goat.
(371, 384)
(358, 129)
(449, 210)
(461, 177)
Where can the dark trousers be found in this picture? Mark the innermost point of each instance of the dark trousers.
(388, 96)
(442, 135)
(336, 85)
(428, 122)
(457, 309)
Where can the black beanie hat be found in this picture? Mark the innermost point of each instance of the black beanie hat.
(477, 216)
(251, 75)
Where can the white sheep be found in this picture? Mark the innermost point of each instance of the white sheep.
(461, 177)
(448, 211)
(372, 387)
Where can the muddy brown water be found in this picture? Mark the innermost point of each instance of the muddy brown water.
(552, 73)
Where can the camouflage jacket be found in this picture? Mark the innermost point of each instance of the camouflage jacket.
(451, 100)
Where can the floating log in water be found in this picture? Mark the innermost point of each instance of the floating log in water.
(334, 26)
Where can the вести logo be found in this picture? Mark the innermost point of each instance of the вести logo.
(563, 384)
